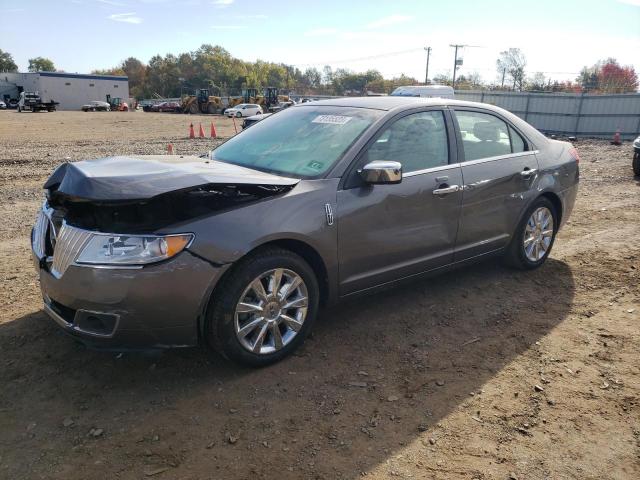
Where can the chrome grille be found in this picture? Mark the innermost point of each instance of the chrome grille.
(40, 234)
(69, 244)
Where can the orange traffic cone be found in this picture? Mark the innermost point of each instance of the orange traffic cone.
(201, 132)
(616, 138)
(213, 131)
(192, 134)
(169, 149)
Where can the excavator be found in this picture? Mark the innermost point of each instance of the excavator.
(202, 102)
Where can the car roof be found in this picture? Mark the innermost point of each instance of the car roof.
(391, 102)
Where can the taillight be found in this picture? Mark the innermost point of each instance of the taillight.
(574, 153)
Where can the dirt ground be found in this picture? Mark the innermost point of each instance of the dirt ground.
(484, 373)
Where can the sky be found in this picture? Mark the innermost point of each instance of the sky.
(558, 37)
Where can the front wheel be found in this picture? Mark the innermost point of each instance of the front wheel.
(264, 308)
(533, 239)
(239, 114)
(636, 163)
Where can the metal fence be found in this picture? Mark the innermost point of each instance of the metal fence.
(579, 115)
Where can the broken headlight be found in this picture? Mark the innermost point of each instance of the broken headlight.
(132, 250)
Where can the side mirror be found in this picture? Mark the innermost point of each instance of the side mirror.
(381, 172)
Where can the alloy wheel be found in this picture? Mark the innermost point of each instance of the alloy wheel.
(538, 234)
(271, 311)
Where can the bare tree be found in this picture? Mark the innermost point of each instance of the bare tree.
(511, 63)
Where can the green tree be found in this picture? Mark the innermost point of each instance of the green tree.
(6, 62)
(41, 64)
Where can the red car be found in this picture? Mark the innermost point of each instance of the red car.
(169, 107)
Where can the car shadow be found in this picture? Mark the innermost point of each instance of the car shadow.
(378, 373)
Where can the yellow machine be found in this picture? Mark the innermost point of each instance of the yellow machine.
(202, 102)
(269, 98)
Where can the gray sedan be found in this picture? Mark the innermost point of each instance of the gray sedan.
(325, 200)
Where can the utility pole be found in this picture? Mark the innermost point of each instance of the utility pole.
(455, 64)
(504, 70)
(455, 60)
(426, 75)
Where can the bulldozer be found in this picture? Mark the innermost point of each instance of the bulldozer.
(202, 102)
(249, 95)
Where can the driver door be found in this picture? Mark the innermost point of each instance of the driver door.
(390, 231)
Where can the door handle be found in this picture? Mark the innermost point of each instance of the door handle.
(446, 190)
(526, 173)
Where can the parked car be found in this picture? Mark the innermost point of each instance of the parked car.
(243, 110)
(240, 249)
(12, 103)
(252, 120)
(171, 106)
(636, 156)
(428, 91)
(96, 106)
(147, 105)
(3, 106)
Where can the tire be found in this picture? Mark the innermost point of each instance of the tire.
(222, 321)
(211, 109)
(193, 109)
(636, 164)
(516, 254)
(239, 115)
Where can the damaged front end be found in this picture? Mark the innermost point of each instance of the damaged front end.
(103, 238)
(145, 194)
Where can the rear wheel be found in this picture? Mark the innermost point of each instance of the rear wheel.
(211, 108)
(532, 242)
(264, 309)
(636, 163)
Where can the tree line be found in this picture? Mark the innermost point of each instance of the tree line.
(215, 68)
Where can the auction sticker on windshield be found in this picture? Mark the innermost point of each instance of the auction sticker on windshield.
(331, 119)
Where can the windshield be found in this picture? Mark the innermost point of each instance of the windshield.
(301, 142)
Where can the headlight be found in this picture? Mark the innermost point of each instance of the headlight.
(132, 250)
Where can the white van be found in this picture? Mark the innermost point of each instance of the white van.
(441, 91)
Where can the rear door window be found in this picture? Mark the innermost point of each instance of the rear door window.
(484, 136)
(517, 142)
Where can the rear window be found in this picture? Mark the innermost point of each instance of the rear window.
(485, 136)
(301, 142)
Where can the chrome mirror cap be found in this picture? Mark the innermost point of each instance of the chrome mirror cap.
(381, 172)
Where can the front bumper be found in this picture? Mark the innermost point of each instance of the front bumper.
(157, 306)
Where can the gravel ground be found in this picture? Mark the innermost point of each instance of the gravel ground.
(483, 373)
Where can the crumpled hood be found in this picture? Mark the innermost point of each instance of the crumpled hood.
(140, 177)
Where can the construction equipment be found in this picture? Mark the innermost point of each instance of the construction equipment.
(201, 102)
(270, 99)
(32, 101)
(117, 104)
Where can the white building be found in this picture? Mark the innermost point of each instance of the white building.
(71, 90)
